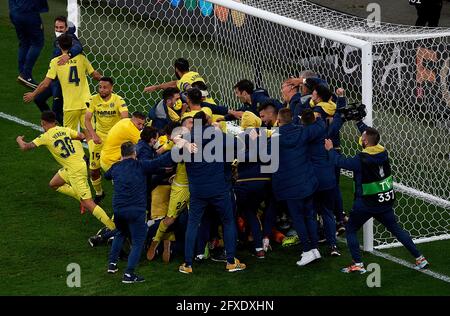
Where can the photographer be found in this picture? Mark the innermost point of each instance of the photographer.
(374, 195)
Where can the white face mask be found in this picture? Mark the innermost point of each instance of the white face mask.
(57, 34)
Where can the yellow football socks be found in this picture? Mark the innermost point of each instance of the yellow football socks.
(100, 214)
(97, 184)
(162, 228)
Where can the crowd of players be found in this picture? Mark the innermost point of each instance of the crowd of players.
(206, 209)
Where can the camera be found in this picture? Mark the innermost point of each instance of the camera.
(353, 112)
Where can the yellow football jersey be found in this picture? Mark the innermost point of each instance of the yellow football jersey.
(181, 177)
(123, 131)
(58, 141)
(188, 79)
(173, 116)
(107, 113)
(74, 84)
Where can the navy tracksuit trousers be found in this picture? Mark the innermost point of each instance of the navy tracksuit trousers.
(386, 217)
(53, 91)
(129, 223)
(30, 33)
(304, 220)
(197, 206)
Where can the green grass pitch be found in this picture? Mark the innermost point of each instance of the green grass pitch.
(42, 231)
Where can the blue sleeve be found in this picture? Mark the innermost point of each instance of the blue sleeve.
(216, 109)
(298, 111)
(76, 48)
(151, 113)
(341, 102)
(352, 163)
(335, 126)
(152, 166)
(361, 126)
(56, 50)
(108, 174)
(314, 130)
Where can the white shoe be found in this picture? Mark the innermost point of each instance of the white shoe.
(316, 253)
(307, 257)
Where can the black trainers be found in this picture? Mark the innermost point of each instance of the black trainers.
(334, 251)
(27, 81)
(99, 198)
(218, 255)
(129, 278)
(112, 268)
(96, 240)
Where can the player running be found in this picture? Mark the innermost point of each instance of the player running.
(72, 178)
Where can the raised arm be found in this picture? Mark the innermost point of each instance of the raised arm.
(216, 109)
(163, 161)
(96, 75)
(352, 163)
(162, 86)
(361, 126)
(24, 146)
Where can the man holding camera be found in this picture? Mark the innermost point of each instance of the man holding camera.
(374, 195)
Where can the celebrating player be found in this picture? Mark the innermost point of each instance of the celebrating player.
(72, 178)
(184, 75)
(128, 129)
(74, 84)
(107, 108)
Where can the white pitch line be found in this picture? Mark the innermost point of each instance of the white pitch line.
(20, 121)
(17, 120)
(377, 253)
(404, 263)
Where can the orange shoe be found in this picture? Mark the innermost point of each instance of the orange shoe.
(151, 252)
(236, 266)
(355, 267)
(185, 269)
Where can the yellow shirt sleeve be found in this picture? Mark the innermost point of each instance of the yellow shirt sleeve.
(135, 135)
(121, 105)
(51, 73)
(73, 134)
(41, 140)
(90, 106)
(173, 116)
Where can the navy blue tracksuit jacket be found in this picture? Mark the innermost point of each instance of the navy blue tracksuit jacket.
(130, 182)
(295, 177)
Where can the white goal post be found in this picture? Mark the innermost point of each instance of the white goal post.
(399, 72)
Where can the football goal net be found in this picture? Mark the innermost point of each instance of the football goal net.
(401, 74)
